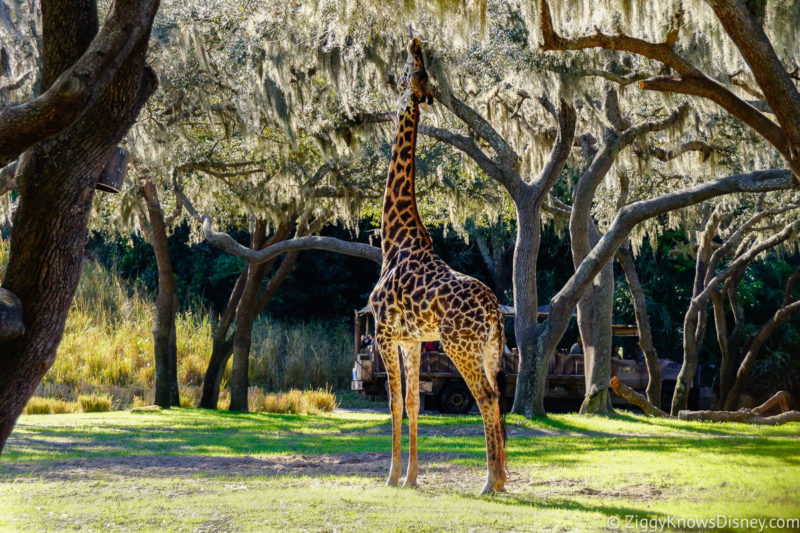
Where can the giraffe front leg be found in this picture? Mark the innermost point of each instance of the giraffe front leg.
(388, 349)
(411, 358)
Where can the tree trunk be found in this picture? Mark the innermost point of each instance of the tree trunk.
(594, 323)
(56, 180)
(755, 343)
(533, 359)
(643, 324)
(245, 315)
(695, 318)
(164, 341)
(222, 347)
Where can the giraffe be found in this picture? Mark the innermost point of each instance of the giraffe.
(419, 298)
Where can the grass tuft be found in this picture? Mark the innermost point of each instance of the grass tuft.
(94, 403)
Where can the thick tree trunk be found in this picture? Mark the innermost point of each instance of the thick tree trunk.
(56, 180)
(164, 336)
(222, 347)
(643, 325)
(594, 323)
(533, 360)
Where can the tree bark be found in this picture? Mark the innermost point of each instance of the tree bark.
(533, 361)
(245, 315)
(164, 335)
(594, 322)
(221, 348)
(56, 181)
(253, 300)
(643, 325)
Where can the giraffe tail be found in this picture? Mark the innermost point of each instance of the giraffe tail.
(501, 385)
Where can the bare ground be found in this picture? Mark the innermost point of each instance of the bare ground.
(437, 472)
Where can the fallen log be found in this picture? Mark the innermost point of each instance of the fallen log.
(745, 416)
(634, 398)
(779, 398)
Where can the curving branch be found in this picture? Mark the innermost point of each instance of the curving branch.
(315, 242)
(689, 80)
(632, 214)
(77, 88)
(779, 91)
(482, 128)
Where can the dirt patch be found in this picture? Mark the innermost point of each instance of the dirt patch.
(369, 464)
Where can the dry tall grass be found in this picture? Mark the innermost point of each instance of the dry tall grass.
(107, 349)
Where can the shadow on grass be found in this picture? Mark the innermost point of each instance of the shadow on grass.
(182, 432)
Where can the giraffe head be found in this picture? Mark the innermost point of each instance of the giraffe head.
(413, 80)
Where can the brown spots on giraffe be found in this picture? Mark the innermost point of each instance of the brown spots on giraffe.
(418, 297)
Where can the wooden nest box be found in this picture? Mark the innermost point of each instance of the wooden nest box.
(113, 174)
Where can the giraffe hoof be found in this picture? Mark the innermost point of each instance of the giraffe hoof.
(392, 481)
(410, 484)
(487, 490)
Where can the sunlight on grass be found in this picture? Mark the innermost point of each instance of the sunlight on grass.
(196, 469)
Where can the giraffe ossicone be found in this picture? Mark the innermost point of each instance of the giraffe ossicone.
(419, 298)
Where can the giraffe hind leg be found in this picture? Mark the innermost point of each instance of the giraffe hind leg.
(467, 351)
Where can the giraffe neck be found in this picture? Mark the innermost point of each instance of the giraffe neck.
(402, 229)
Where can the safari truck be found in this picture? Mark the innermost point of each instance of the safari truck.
(443, 389)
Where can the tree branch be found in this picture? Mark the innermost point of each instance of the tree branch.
(690, 80)
(632, 214)
(25, 125)
(229, 245)
(779, 90)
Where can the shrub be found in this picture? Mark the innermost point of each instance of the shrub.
(291, 402)
(45, 406)
(94, 403)
(190, 396)
(255, 399)
(138, 401)
(322, 400)
(38, 406)
(61, 406)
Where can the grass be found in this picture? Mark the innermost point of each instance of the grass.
(107, 348)
(187, 469)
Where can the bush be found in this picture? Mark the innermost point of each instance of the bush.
(94, 403)
(60, 406)
(291, 402)
(322, 400)
(38, 406)
(190, 396)
(45, 406)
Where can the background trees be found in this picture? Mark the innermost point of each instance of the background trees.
(272, 123)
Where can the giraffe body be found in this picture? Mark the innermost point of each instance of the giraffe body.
(419, 298)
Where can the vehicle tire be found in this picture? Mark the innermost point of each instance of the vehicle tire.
(455, 398)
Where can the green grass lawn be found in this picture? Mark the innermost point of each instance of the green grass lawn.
(194, 470)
